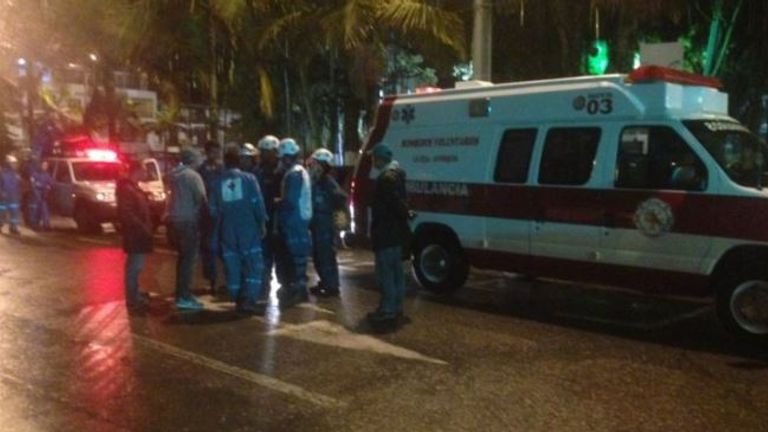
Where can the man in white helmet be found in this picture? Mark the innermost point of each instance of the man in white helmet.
(327, 198)
(10, 194)
(249, 158)
(294, 212)
(269, 180)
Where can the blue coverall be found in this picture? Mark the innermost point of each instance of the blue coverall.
(10, 198)
(42, 183)
(327, 197)
(210, 172)
(237, 206)
(293, 215)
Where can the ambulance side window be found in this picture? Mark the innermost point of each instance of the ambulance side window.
(569, 156)
(514, 157)
(656, 157)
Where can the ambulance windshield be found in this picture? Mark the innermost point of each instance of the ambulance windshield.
(96, 171)
(742, 155)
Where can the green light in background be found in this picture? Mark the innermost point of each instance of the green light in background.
(597, 60)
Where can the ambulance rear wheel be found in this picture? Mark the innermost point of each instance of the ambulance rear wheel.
(742, 303)
(439, 263)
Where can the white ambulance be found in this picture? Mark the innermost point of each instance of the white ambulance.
(640, 181)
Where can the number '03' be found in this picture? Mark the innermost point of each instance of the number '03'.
(601, 106)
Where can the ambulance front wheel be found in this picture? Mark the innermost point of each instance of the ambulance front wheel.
(742, 303)
(439, 262)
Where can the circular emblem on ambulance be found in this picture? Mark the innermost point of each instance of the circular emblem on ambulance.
(654, 217)
(579, 103)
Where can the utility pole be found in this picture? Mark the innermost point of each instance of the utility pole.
(482, 39)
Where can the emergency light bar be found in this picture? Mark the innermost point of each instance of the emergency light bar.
(101, 155)
(645, 74)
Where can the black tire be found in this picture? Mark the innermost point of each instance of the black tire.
(86, 223)
(742, 302)
(439, 262)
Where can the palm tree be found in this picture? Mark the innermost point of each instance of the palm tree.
(354, 34)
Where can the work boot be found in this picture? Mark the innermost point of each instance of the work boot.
(188, 304)
(288, 300)
(322, 291)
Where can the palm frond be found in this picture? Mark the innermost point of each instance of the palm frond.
(420, 16)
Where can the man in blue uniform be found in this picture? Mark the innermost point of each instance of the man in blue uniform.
(210, 170)
(249, 158)
(41, 183)
(10, 194)
(269, 180)
(237, 207)
(294, 211)
(327, 198)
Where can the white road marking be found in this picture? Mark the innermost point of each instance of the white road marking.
(327, 333)
(98, 312)
(252, 377)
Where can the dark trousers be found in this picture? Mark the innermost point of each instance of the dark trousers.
(390, 279)
(187, 240)
(295, 250)
(324, 253)
(208, 250)
(134, 264)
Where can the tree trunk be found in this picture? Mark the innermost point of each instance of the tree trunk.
(309, 111)
(213, 79)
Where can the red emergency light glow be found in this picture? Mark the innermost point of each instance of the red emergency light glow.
(101, 155)
(428, 89)
(658, 73)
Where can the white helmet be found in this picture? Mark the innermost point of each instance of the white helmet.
(323, 155)
(248, 149)
(269, 142)
(288, 147)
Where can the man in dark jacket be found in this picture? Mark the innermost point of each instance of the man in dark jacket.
(390, 234)
(210, 170)
(136, 228)
(269, 181)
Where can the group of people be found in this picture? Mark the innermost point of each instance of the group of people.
(256, 210)
(40, 185)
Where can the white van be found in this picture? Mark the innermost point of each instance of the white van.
(640, 181)
(84, 184)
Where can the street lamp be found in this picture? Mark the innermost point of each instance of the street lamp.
(93, 57)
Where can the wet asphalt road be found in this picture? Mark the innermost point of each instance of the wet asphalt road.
(502, 354)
